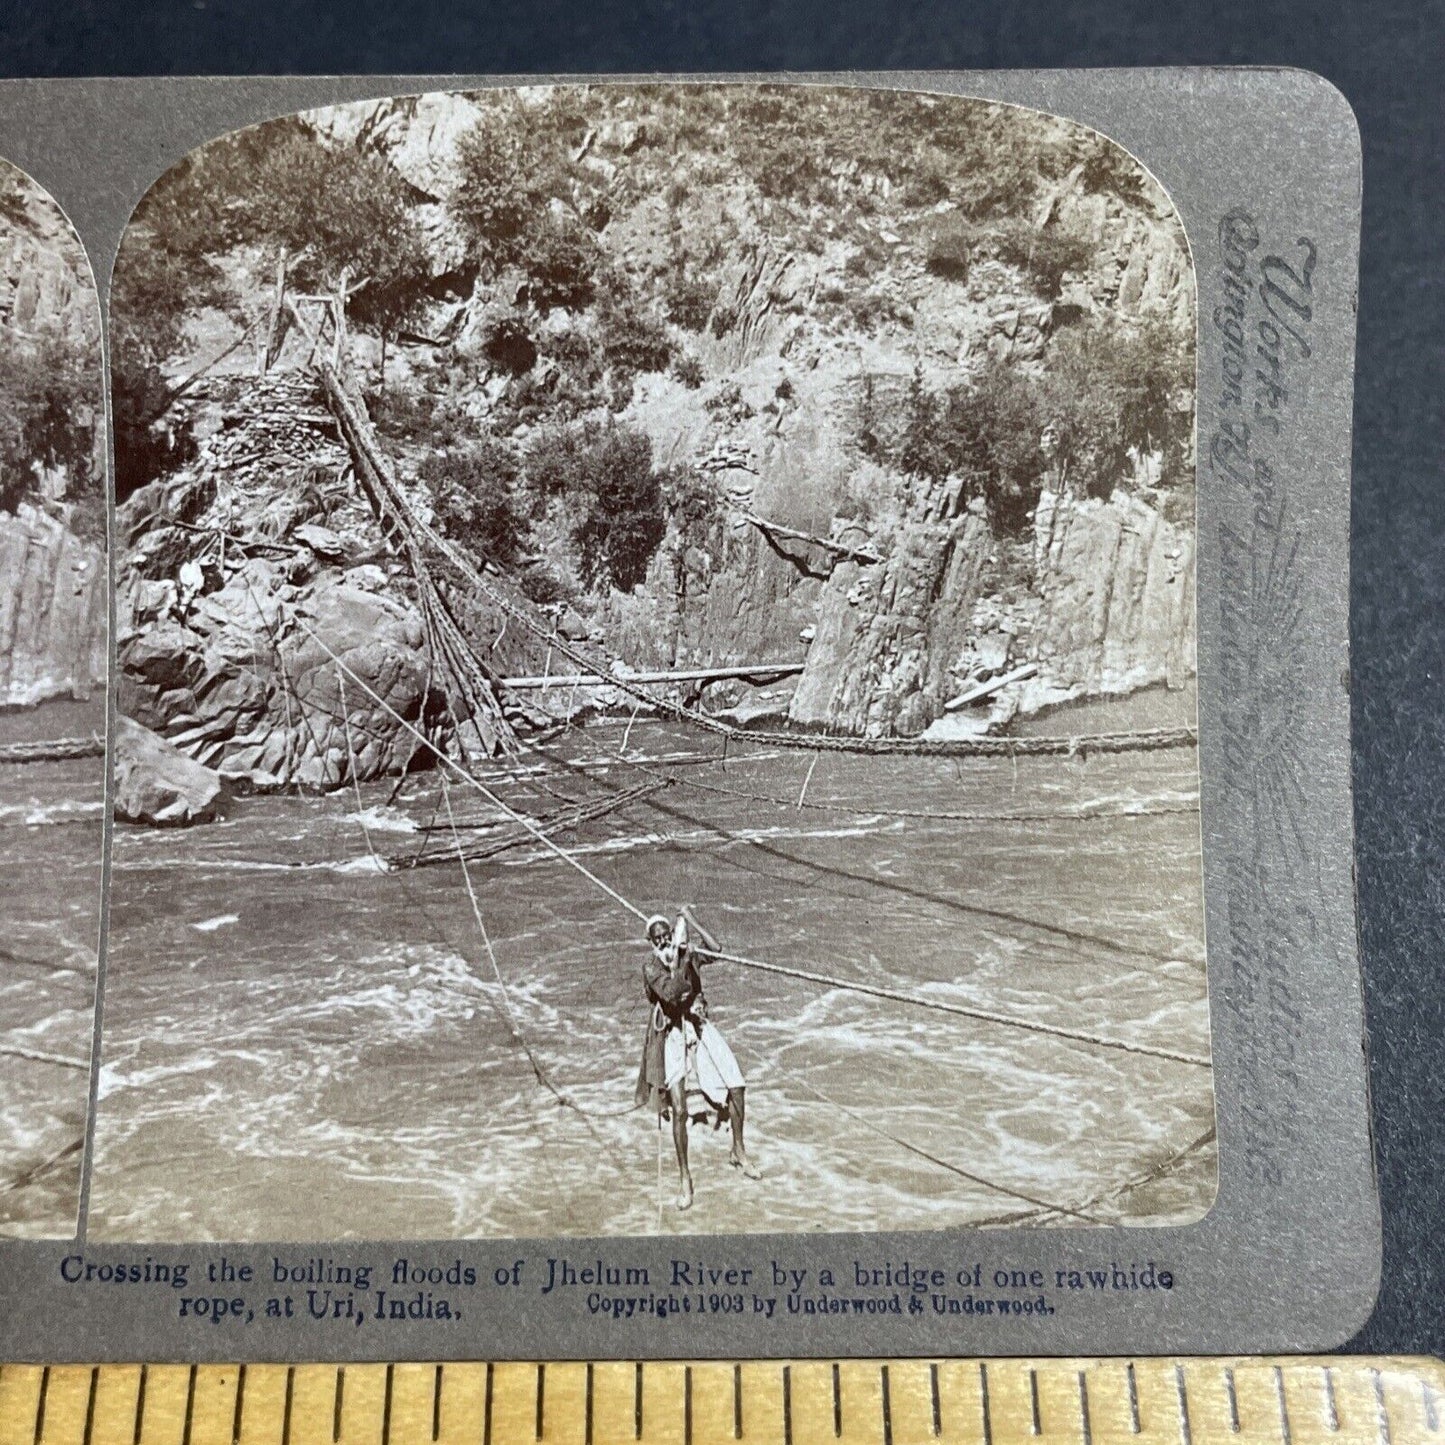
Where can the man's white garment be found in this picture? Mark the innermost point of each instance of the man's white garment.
(703, 1058)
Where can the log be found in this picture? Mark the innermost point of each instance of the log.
(760, 671)
(993, 685)
(53, 750)
(839, 549)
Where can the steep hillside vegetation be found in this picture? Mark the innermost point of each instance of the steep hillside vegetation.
(635, 346)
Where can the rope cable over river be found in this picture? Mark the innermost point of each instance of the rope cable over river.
(1065, 1116)
(812, 976)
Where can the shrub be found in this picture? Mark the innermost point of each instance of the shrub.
(542, 585)
(1108, 395)
(950, 249)
(605, 478)
(926, 186)
(870, 309)
(509, 348)
(688, 370)
(406, 416)
(50, 401)
(632, 342)
(562, 262)
(689, 301)
(1043, 255)
(786, 168)
(473, 489)
(496, 198)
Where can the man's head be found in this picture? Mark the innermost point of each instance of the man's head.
(659, 931)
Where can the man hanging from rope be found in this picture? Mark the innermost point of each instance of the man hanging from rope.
(683, 1047)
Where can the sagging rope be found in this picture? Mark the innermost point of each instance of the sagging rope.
(1157, 1172)
(1053, 930)
(543, 1077)
(545, 1080)
(37, 1172)
(919, 814)
(53, 750)
(961, 1010)
(344, 670)
(374, 469)
(39, 1056)
(874, 990)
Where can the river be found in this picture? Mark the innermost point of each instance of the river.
(300, 1047)
(51, 841)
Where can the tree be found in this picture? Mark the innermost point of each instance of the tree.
(605, 477)
(1108, 394)
(474, 491)
(334, 212)
(50, 375)
(49, 410)
(521, 201)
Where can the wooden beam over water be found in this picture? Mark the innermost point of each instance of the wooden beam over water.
(757, 672)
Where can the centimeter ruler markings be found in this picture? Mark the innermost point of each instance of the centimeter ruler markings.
(1147, 1401)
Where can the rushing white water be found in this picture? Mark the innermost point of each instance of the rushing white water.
(51, 838)
(340, 1060)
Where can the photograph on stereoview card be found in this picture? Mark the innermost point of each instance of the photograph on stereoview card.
(669, 614)
(54, 600)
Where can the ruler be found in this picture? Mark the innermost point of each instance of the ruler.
(1146, 1401)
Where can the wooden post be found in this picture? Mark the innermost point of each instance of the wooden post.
(278, 323)
(338, 318)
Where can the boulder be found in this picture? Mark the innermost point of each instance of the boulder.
(327, 544)
(156, 783)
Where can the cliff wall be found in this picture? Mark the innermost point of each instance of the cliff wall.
(53, 609)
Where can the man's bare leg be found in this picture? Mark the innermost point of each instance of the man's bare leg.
(737, 1115)
(678, 1096)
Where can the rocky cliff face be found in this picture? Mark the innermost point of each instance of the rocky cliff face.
(887, 633)
(793, 295)
(1116, 596)
(264, 627)
(53, 611)
(1100, 600)
(45, 280)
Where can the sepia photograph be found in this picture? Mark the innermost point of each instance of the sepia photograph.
(656, 685)
(54, 599)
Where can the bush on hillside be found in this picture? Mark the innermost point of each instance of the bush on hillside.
(604, 477)
(689, 301)
(632, 343)
(563, 264)
(688, 370)
(1109, 395)
(509, 348)
(50, 401)
(473, 490)
(1044, 254)
(949, 252)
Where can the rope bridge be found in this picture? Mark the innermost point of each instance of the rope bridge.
(541, 834)
(416, 538)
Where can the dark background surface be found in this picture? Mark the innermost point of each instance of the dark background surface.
(1387, 59)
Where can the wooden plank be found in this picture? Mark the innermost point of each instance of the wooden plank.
(993, 685)
(688, 674)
